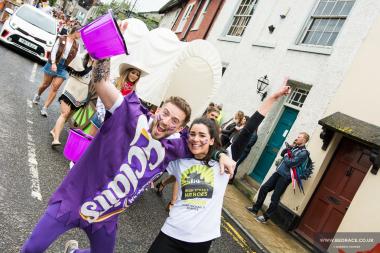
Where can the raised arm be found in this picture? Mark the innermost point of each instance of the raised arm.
(254, 121)
(268, 103)
(107, 92)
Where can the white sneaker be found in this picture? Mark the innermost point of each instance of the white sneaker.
(261, 219)
(44, 111)
(36, 99)
(70, 246)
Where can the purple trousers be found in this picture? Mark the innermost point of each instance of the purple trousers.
(49, 228)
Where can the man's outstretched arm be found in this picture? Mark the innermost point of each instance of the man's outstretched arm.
(107, 92)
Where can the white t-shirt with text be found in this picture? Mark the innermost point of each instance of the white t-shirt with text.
(196, 215)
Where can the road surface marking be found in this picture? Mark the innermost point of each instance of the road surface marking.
(33, 74)
(32, 161)
(236, 236)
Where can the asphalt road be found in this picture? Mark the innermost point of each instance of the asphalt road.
(30, 170)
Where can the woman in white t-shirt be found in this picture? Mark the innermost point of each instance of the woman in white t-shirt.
(194, 219)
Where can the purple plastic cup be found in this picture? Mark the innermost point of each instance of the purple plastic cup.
(103, 38)
(76, 144)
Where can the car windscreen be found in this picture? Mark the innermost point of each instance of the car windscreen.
(36, 18)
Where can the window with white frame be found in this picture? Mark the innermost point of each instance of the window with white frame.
(326, 22)
(201, 16)
(241, 17)
(184, 18)
(297, 97)
(176, 14)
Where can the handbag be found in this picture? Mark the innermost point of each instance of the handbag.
(76, 90)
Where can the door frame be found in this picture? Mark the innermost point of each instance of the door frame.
(276, 118)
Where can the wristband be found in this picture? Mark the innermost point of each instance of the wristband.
(216, 154)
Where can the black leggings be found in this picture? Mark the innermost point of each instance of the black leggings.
(167, 244)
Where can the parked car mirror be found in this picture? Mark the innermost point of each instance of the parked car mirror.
(9, 11)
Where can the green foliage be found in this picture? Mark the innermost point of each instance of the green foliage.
(52, 2)
(151, 24)
(121, 11)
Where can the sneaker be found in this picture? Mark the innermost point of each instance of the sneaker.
(250, 209)
(44, 111)
(36, 99)
(71, 165)
(70, 246)
(261, 219)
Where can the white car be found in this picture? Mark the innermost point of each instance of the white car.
(30, 30)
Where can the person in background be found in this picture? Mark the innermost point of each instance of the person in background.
(45, 7)
(66, 26)
(64, 51)
(210, 105)
(74, 95)
(251, 143)
(293, 156)
(212, 113)
(238, 128)
(230, 128)
(61, 23)
(219, 120)
(129, 75)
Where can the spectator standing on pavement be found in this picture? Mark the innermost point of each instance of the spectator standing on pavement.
(230, 128)
(293, 156)
(194, 222)
(75, 93)
(238, 128)
(64, 51)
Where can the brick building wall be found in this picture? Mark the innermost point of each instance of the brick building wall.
(191, 28)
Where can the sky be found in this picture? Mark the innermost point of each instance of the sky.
(148, 5)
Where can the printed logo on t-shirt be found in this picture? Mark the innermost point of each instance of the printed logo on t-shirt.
(197, 184)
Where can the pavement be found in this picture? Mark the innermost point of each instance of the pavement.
(267, 237)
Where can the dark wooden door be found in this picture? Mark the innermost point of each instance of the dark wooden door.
(333, 196)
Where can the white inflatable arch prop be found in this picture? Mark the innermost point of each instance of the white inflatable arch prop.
(191, 70)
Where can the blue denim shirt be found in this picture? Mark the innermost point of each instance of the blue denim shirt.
(299, 155)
